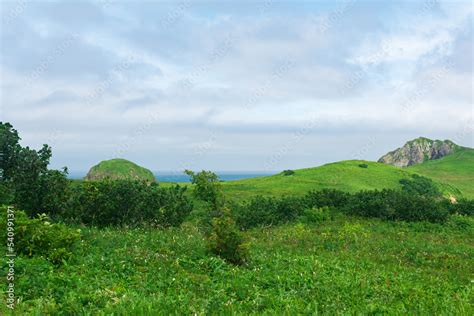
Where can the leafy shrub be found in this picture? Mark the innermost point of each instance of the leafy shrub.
(207, 187)
(364, 165)
(263, 211)
(420, 185)
(25, 179)
(39, 237)
(326, 197)
(396, 205)
(463, 207)
(128, 202)
(226, 241)
(288, 172)
(316, 215)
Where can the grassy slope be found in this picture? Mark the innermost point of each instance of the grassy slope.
(456, 170)
(347, 266)
(121, 168)
(344, 175)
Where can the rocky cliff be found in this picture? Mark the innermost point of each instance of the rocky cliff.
(418, 151)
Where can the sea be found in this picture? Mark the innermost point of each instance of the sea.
(170, 176)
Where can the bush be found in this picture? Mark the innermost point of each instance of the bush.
(421, 186)
(39, 237)
(207, 187)
(226, 241)
(461, 207)
(326, 197)
(262, 211)
(288, 172)
(364, 165)
(316, 215)
(128, 202)
(396, 205)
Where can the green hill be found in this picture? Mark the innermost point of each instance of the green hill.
(456, 170)
(345, 175)
(119, 169)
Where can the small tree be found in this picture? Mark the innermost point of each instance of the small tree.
(223, 236)
(207, 187)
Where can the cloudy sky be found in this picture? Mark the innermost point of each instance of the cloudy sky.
(263, 85)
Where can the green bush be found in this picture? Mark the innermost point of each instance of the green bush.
(420, 185)
(207, 187)
(128, 202)
(226, 241)
(396, 205)
(316, 215)
(263, 211)
(326, 197)
(364, 165)
(463, 207)
(288, 172)
(39, 237)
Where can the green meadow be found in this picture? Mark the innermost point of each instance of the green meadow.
(344, 266)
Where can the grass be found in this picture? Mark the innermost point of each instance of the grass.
(346, 266)
(119, 169)
(345, 175)
(456, 169)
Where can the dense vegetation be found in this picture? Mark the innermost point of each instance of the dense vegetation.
(396, 246)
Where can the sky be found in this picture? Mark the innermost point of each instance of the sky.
(237, 86)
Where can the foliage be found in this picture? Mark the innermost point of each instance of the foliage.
(128, 202)
(363, 165)
(263, 211)
(396, 205)
(226, 241)
(348, 266)
(26, 181)
(461, 207)
(288, 172)
(420, 185)
(39, 237)
(207, 187)
(326, 197)
(316, 215)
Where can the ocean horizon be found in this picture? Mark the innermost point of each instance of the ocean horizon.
(173, 176)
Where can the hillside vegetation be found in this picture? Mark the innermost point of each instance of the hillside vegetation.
(349, 176)
(456, 170)
(115, 169)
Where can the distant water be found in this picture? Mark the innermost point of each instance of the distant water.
(163, 176)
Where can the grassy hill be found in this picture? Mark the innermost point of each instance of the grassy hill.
(456, 170)
(451, 174)
(119, 169)
(344, 175)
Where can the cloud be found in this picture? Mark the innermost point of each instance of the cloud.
(153, 81)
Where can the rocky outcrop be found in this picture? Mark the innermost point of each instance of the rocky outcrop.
(418, 151)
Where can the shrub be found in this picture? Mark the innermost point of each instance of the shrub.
(128, 202)
(326, 197)
(288, 172)
(396, 205)
(39, 237)
(316, 215)
(420, 185)
(364, 165)
(25, 179)
(207, 187)
(262, 211)
(461, 207)
(226, 241)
